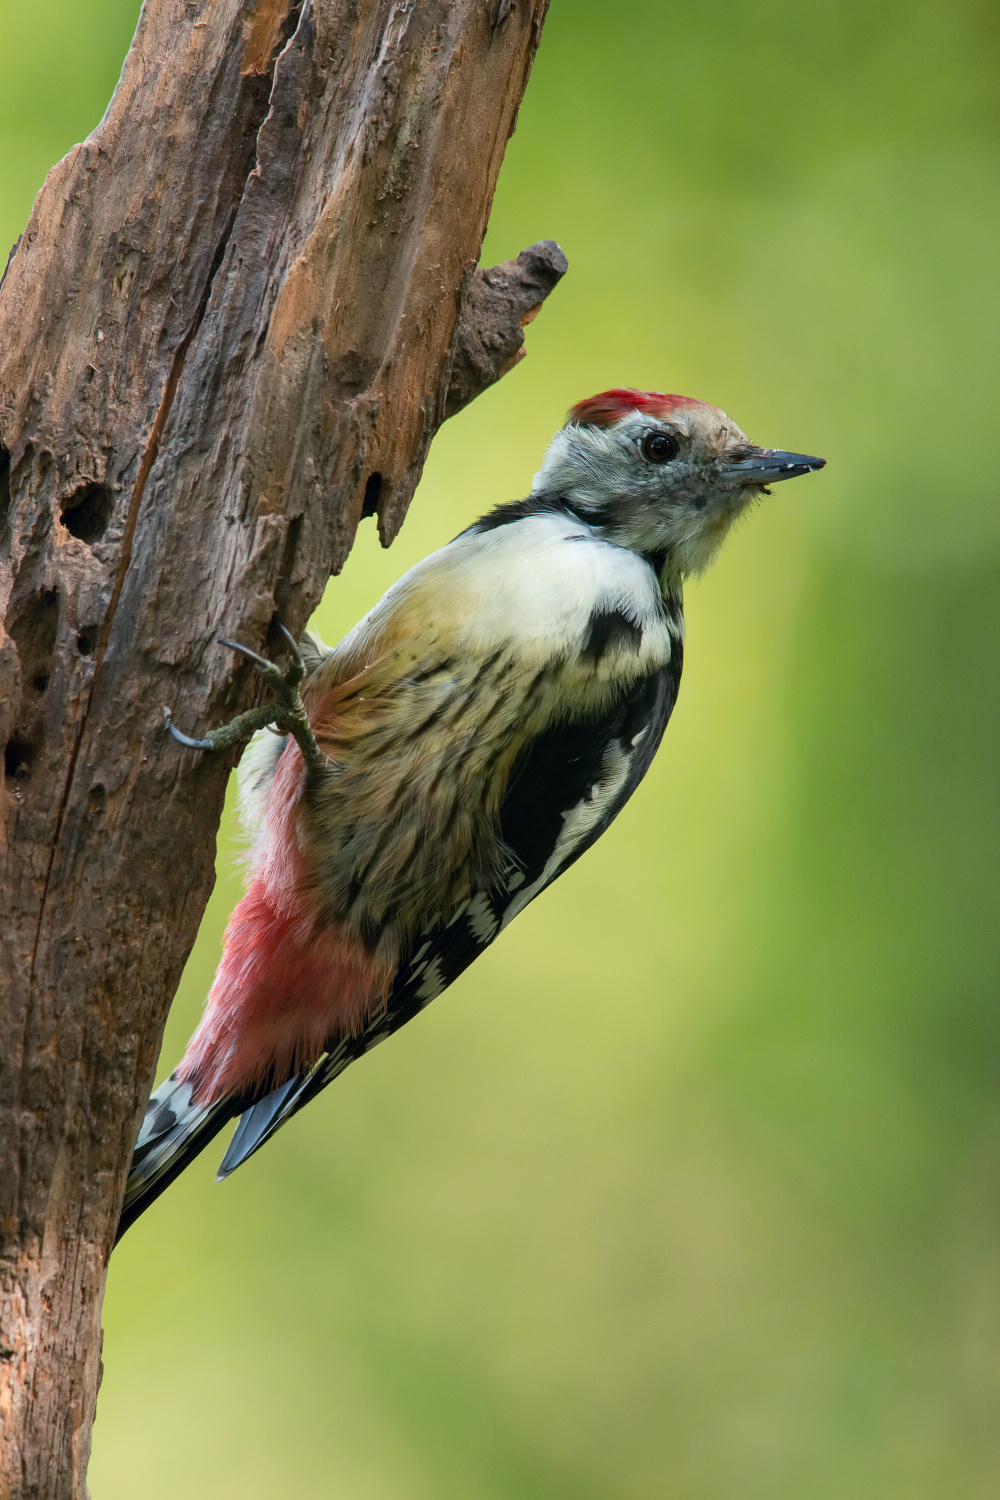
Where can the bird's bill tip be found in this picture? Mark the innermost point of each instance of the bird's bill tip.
(771, 465)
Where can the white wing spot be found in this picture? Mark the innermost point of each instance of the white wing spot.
(483, 921)
(433, 983)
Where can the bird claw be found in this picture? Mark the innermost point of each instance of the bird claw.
(286, 680)
(283, 684)
(286, 711)
(184, 739)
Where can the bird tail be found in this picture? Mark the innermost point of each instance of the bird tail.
(174, 1130)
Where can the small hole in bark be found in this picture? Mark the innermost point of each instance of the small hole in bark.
(87, 640)
(17, 758)
(97, 800)
(40, 681)
(87, 513)
(373, 491)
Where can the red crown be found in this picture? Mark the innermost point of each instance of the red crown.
(611, 406)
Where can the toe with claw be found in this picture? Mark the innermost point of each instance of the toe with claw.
(285, 711)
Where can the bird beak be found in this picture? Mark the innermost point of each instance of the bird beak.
(767, 465)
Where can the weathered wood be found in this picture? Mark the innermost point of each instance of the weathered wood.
(230, 329)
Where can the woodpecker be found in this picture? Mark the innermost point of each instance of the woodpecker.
(463, 745)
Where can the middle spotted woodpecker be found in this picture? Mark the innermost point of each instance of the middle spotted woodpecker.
(460, 748)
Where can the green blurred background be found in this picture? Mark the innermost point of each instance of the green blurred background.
(691, 1187)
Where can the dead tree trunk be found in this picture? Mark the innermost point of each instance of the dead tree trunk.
(237, 316)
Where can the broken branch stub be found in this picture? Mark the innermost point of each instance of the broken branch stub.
(496, 306)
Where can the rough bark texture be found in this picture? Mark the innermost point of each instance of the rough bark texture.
(235, 320)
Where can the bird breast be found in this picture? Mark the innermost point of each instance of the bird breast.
(424, 709)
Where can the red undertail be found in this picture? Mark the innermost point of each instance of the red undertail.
(286, 985)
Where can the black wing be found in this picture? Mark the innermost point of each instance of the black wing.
(569, 784)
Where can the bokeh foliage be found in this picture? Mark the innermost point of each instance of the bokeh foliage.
(691, 1187)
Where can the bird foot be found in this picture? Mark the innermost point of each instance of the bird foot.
(286, 710)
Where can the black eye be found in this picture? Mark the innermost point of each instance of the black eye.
(659, 447)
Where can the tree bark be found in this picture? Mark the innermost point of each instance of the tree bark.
(236, 318)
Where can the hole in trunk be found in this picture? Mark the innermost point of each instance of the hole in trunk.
(373, 491)
(87, 512)
(17, 757)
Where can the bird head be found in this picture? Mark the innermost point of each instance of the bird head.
(663, 475)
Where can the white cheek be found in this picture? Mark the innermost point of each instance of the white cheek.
(590, 463)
